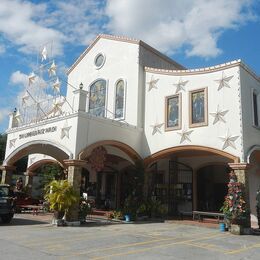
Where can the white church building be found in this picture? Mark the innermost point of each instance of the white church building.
(127, 102)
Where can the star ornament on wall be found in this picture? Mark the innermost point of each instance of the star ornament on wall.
(180, 85)
(65, 131)
(12, 142)
(152, 83)
(185, 135)
(156, 128)
(224, 81)
(229, 141)
(219, 116)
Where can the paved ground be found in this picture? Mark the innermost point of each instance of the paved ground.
(32, 237)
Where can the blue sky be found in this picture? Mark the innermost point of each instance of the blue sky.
(195, 33)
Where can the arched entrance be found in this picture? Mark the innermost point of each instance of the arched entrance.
(179, 175)
(106, 175)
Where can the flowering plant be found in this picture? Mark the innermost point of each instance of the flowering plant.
(234, 206)
(85, 208)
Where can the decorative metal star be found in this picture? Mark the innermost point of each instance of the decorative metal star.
(228, 140)
(65, 131)
(31, 78)
(57, 107)
(152, 83)
(185, 135)
(12, 142)
(56, 85)
(219, 116)
(156, 128)
(52, 69)
(224, 81)
(44, 53)
(180, 85)
(25, 98)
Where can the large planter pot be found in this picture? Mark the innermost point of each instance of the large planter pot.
(236, 229)
(58, 218)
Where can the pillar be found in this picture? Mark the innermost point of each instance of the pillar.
(240, 169)
(195, 190)
(29, 181)
(7, 173)
(74, 178)
(80, 100)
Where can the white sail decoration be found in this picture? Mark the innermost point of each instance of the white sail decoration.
(18, 116)
(56, 85)
(31, 78)
(52, 69)
(44, 53)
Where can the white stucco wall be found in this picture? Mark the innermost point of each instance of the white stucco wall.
(251, 133)
(121, 63)
(226, 99)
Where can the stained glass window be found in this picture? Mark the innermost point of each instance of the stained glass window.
(173, 112)
(97, 98)
(120, 96)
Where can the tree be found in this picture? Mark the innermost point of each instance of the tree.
(3, 138)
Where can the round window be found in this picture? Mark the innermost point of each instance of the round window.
(99, 60)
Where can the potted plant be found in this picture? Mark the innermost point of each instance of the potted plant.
(130, 208)
(234, 207)
(85, 208)
(61, 196)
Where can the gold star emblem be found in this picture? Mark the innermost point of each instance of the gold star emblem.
(228, 140)
(152, 83)
(224, 81)
(219, 116)
(180, 85)
(185, 135)
(156, 128)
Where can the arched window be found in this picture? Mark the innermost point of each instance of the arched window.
(97, 98)
(120, 99)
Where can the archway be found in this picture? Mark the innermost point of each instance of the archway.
(107, 162)
(176, 172)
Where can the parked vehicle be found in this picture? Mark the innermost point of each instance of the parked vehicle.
(6, 203)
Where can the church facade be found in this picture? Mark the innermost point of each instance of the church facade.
(126, 102)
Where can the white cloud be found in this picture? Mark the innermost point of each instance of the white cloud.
(19, 24)
(19, 79)
(4, 114)
(169, 25)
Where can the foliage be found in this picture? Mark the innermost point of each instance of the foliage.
(258, 206)
(152, 208)
(234, 206)
(3, 138)
(116, 214)
(61, 195)
(48, 173)
(85, 208)
(130, 206)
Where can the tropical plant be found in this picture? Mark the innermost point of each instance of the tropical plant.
(85, 208)
(61, 196)
(234, 206)
(258, 206)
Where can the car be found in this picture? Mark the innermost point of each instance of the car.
(6, 203)
(23, 200)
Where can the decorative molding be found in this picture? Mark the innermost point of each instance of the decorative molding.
(12, 143)
(65, 131)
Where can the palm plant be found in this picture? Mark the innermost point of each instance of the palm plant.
(61, 197)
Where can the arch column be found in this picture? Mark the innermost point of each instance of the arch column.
(29, 181)
(7, 173)
(241, 171)
(74, 178)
